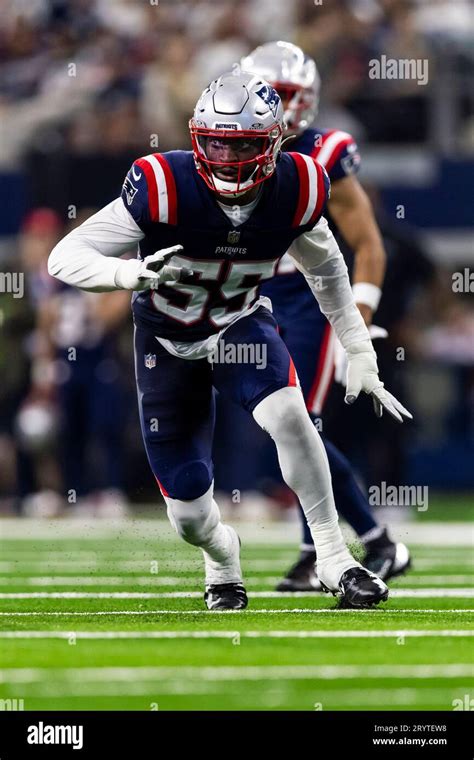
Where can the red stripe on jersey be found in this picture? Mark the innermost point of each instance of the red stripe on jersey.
(304, 188)
(323, 356)
(337, 152)
(152, 188)
(317, 148)
(161, 487)
(170, 189)
(321, 199)
(292, 379)
(326, 392)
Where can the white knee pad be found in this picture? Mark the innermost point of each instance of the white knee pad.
(300, 449)
(284, 416)
(194, 520)
(199, 523)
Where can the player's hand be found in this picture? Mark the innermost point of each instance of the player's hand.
(363, 375)
(340, 356)
(134, 274)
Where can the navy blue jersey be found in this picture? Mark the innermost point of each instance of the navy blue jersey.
(172, 205)
(338, 153)
(334, 149)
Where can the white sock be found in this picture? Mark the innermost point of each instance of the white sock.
(198, 522)
(305, 469)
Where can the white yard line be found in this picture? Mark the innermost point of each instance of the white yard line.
(292, 610)
(108, 580)
(276, 694)
(424, 593)
(409, 633)
(157, 580)
(230, 673)
(425, 532)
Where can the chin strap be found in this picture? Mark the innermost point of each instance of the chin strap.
(229, 187)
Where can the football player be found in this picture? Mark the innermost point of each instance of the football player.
(308, 335)
(211, 224)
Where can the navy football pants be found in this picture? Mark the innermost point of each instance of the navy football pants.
(177, 404)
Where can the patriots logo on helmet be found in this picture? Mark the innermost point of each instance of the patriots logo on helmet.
(130, 190)
(270, 97)
(351, 162)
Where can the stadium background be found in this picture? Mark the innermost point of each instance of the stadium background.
(108, 614)
(88, 86)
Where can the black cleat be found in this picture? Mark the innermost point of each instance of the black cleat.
(302, 575)
(359, 589)
(226, 596)
(385, 558)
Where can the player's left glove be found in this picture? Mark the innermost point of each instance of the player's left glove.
(340, 356)
(134, 274)
(363, 375)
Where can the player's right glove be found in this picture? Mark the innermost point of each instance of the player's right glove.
(134, 274)
(363, 375)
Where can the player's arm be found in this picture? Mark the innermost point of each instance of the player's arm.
(89, 256)
(317, 256)
(352, 212)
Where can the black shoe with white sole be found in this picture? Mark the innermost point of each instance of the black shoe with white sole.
(302, 575)
(359, 589)
(385, 558)
(226, 596)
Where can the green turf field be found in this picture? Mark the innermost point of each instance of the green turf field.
(100, 616)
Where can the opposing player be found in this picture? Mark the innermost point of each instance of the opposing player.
(308, 335)
(195, 282)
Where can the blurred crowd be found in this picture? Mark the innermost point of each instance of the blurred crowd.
(104, 75)
(85, 87)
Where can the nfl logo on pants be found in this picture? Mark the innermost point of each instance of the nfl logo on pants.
(150, 361)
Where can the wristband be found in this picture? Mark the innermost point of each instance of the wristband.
(367, 294)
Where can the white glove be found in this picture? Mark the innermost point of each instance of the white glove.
(363, 375)
(134, 274)
(340, 356)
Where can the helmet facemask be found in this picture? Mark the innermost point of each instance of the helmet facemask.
(297, 102)
(242, 175)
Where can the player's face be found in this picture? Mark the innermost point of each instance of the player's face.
(231, 150)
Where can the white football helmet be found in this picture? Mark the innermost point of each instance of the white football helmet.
(241, 107)
(295, 77)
